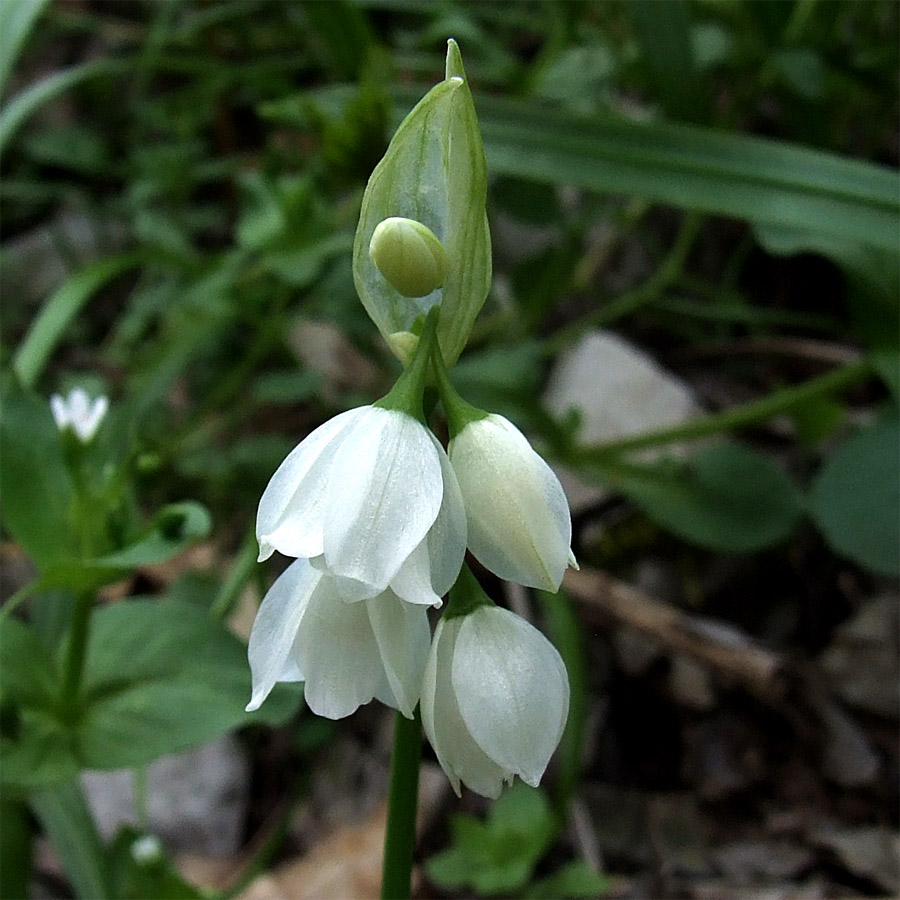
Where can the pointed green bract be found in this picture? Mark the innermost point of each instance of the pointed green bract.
(434, 172)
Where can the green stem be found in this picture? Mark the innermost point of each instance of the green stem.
(400, 836)
(733, 419)
(73, 666)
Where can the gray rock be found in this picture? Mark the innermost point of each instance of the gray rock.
(618, 391)
(196, 801)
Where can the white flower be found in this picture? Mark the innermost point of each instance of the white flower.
(495, 698)
(518, 518)
(346, 653)
(370, 497)
(79, 413)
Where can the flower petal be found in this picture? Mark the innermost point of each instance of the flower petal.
(275, 628)
(518, 517)
(413, 581)
(290, 511)
(337, 652)
(460, 757)
(384, 494)
(512, 689)
(60, 410)
(404, 638)
(447, 536)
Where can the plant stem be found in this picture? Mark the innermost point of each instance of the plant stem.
(400, 835)
(732, 419)
(73, 666)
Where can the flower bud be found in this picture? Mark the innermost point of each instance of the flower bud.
(495, 698)
(409, 256)
(518, 518)
(434, 174)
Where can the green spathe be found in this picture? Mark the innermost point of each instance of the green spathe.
(433, 173)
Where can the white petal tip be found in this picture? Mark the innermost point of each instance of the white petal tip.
(572, 562)
(253, 705)
(265, 551)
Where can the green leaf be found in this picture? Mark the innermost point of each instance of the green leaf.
(574, 880)
(37, 749)
(174, 528)
(66, 818)
(15, 113)
(433, 172)
(34, 480)
(29, 675)
(58, 312)
(856, 498)
(727, 498)
(162, 677)
(499, 855)
(703, 169)
(17, 18)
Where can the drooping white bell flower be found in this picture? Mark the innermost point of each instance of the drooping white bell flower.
(519, 524)
(346, 653)
(372, 495)
(79, 413)
(495, 698)
(371, 498)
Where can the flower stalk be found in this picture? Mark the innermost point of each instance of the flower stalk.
(400, 832)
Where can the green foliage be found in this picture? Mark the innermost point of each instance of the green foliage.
(726, 497)
(34, 480)
(497, 856)
(856, 498)
(159, 677)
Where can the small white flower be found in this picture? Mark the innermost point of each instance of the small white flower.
(495, 698)
(519, 525)
(79, 412)
(146, 849)
(371, 498)
(346, 653)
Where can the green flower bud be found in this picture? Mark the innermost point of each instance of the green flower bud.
(434, 176)
(409, 256)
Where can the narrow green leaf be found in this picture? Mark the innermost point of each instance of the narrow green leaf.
(58, 312)
(17, 18)
(15, 113)
(66, 818)
(856, 498)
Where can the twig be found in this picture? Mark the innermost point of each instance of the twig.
(711, 643)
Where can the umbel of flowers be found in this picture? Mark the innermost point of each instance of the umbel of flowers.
(378, 516)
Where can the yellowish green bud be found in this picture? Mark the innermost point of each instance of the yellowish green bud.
(409, 256)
